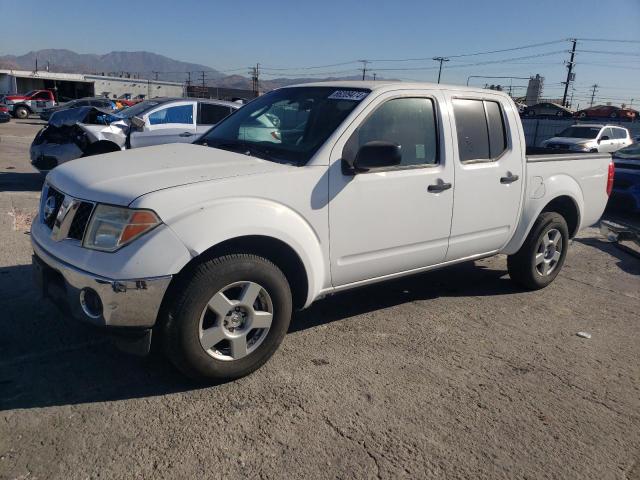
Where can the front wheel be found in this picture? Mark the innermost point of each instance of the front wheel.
(21, 112)
(542, 255)
(228, 318)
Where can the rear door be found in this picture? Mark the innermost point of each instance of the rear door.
(488, 173)
(167, 123)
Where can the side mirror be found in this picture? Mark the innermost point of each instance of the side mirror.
(137, 122)
(604, 137)
(377, 154)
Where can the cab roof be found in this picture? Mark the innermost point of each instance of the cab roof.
(383, 85)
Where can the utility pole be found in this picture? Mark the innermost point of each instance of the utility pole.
(156, 74)
(593, 93)
(374, 76)
(204, 85)
(569, 72)
(188, 85)
(255, 79)
(441, 60)
(364, 67)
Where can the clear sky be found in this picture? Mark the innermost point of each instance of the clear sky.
(230, 36)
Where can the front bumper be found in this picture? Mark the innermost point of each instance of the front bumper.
(131, 303)
(46, 156)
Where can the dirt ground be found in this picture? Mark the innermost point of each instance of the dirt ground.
(451, 374)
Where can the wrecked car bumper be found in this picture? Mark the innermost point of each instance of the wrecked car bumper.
(46, 156)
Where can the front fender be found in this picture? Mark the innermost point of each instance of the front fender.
(538, 196)
(207, 226)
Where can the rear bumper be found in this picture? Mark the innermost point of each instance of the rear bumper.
(132, 303)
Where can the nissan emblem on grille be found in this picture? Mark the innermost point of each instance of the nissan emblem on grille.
(49, 207)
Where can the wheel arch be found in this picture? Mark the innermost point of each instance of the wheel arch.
(568, 201)
(273, 249)
(101, 146)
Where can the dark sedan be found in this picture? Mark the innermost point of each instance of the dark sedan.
(5, 116)
(99, 102)
(626, 182)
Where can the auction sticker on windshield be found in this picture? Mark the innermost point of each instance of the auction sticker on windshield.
(348, 95)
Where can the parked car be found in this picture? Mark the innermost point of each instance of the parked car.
(4, 113)
(21, 106)
(87, 131)
(547, 109)
(99, 102)
(211, 245)
(607, 111)
(626, 184)
(590, 138)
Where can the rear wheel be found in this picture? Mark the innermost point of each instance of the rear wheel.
(228, 318)
(21, 112)
(542, 255)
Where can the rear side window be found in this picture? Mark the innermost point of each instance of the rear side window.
(210, 114)
(408, 122)
(619, 133)
(481, 129)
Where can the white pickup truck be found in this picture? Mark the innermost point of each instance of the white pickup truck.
(208, 247)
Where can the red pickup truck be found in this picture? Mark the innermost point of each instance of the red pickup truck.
(21, 106)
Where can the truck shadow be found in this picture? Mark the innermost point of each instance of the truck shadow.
(48, 359)
(627, 262)
(21, 182)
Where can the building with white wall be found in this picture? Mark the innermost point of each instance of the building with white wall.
(76, 85)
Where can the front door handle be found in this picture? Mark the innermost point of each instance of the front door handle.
(186, 134)
(439, 187)
(509, 178)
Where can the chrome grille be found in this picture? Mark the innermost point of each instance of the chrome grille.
(80, 221)
(66, 216)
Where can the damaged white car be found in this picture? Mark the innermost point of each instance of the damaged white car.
(85, 131)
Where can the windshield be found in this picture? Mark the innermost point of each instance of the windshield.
(580, 132)
(287, 125)
(137, 109)
(632, 152)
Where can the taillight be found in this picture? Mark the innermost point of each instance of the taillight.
(4, 109)
(610, 175)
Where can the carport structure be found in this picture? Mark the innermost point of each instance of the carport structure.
(65, 85)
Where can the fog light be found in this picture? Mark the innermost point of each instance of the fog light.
(91, 303)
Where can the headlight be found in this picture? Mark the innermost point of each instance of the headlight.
(113, 227)
(579, 148)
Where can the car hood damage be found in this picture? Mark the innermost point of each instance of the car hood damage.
(84, 126)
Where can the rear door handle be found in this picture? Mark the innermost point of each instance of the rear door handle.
(509, 178)
(439, 187)
(186, 134)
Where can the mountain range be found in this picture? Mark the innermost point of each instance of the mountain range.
(142, 64)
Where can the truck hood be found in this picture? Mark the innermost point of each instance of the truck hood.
(119, 178)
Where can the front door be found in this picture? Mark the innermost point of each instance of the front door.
(489, 176)
(173, 123)
(389, 220)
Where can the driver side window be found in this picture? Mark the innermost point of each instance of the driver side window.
(408, 122)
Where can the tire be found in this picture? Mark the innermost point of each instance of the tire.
(526, 267)
(21, 112)
(582, 115)
(192, 321)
